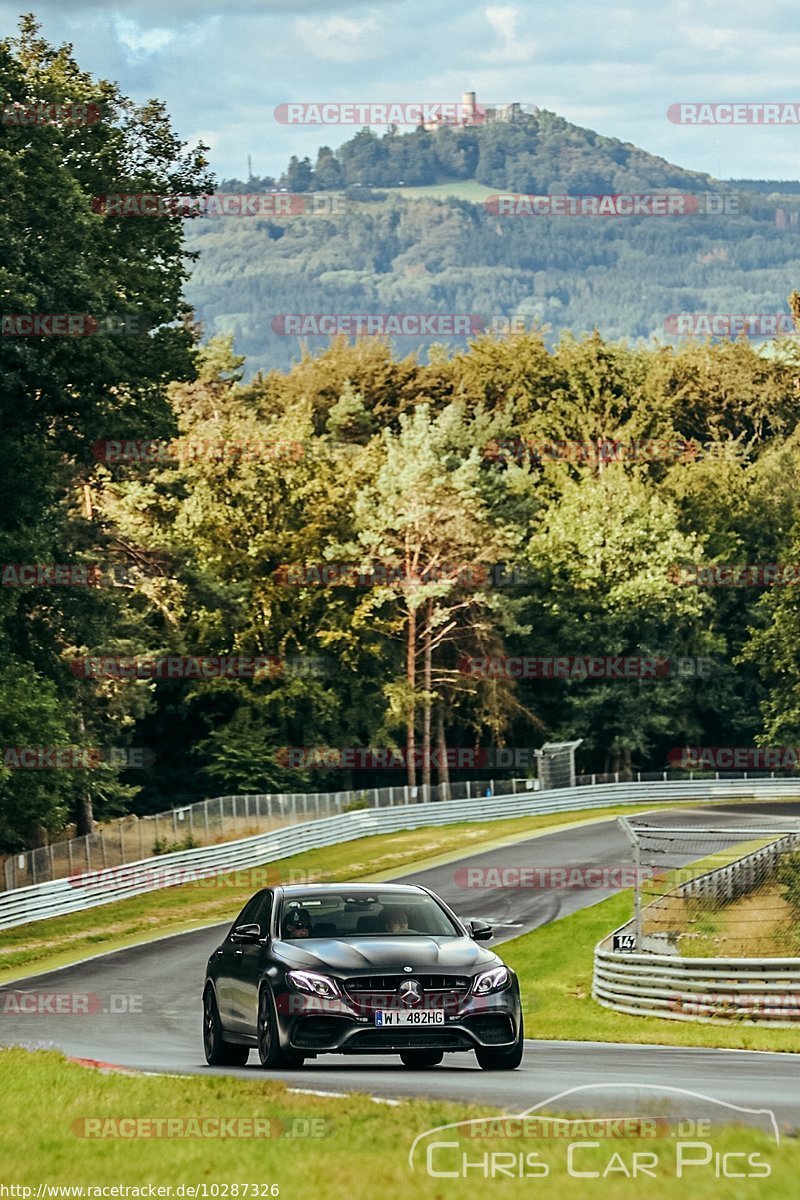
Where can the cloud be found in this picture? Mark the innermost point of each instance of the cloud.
(222, 66)
(45, 9)
(504, 20)
(337, 39)
(141, 41)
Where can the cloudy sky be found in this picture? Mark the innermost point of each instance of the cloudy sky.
(222, 66)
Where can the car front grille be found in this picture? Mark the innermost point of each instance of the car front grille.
(381, 991)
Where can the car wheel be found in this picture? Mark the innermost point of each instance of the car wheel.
(502, 1060)
(421, 1058)
(269, 1048)
(219, 1053)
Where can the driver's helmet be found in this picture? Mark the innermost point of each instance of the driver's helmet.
(296, 919)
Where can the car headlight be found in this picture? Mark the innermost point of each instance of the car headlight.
(315, 985)
(491, 981)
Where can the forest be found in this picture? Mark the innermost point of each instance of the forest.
(352, 535)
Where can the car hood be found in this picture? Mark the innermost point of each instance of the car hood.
(386, 954)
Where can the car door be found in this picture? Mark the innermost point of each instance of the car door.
(227, 962)
(248, 958)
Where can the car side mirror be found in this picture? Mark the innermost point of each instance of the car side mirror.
(480, 931)
(246, 933)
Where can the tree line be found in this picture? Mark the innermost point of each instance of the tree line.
(354, 534)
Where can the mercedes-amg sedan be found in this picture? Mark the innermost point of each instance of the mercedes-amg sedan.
(358, 969)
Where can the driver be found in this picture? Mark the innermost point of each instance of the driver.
(297, 923)
(396, 920)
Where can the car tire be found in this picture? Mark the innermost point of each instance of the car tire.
(269, 1049)
(502, 1060)
(420, 1059)
(218, 1052)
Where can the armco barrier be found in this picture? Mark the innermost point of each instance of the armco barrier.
(749, 991)
(80, 892)
(740, 877)
(130, 839)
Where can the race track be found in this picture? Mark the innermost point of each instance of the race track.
(164, 980)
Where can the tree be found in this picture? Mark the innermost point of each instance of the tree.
(64, 253)
(31, 715)
(602, 556)
(425, 516)
(299, 174)
(328, 174)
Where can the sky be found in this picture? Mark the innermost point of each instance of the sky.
(223, 67)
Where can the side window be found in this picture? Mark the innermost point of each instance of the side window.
(249, 914)
(262, 913)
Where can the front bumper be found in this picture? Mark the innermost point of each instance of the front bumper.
(314, 1026)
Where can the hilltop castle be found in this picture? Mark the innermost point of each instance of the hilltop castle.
(472, 113)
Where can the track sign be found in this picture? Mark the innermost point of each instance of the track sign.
(624, 943)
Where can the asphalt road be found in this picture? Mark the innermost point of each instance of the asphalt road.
(516, 910)
(144, 1006)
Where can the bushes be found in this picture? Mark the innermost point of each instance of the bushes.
(789, 876)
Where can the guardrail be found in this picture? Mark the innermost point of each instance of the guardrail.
(94, 888)
(130, 839)
(740, 877)
(748, 991)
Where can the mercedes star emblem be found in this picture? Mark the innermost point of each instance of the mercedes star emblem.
(410, 993)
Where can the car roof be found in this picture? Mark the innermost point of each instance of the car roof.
(304, 889)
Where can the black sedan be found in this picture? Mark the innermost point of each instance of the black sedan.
(358, 969)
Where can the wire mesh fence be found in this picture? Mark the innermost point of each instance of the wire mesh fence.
(226, 818)
(222, 819)
(556, 762)
(715, 892)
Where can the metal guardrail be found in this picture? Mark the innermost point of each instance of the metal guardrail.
(739, 878)
(748, 991)
(130, 839)
(94, 888)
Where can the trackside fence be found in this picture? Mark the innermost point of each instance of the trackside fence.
(657, 980)
(221, 819)
(88, 889)
(131, 839)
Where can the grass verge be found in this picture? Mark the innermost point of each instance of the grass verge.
(555, 963)
(61, 940)
(46, 1103)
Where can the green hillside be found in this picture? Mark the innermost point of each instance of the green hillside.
(432, 246)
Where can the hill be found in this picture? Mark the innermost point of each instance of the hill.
(433, 245)
(526, 153)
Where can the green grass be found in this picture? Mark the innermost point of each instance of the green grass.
(46, 1102)
(60, 940)
(465, 189)
(758, 924)
(554, 964)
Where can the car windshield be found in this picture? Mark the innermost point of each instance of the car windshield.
(344, 914)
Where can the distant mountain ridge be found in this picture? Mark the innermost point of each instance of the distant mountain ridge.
(433, 245)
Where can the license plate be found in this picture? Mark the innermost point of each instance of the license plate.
(428, 1016)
